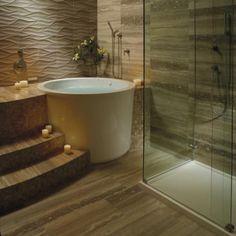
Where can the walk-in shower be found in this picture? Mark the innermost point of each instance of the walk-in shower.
(189, 141)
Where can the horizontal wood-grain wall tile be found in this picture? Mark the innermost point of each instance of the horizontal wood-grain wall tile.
(213, 120)
(184, 106)
(171, 55)
(127, 17)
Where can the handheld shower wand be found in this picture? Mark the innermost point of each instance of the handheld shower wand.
(113, 36)
(114, 32)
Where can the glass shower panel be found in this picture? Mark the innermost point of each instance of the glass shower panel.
(169, 60)
(234, 125)
(213, 120)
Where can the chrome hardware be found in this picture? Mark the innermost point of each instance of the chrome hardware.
(127, 51)
(230, 228)
(228, 24)
(193, 146)
(215, 68)
(119, 35)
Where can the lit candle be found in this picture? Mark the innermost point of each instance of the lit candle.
(67, 149)
(49, 128)
(24, 84)
(45, 133)
(137, 82)
(17, 86)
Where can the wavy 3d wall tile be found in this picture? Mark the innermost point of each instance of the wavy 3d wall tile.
(48, 31)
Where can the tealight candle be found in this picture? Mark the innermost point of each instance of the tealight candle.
(49, 128)
(67, 149)
(24, 84)
(137, 82)
(17, 86)
(45, 133)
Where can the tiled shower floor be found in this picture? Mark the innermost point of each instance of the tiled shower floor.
(201, 188)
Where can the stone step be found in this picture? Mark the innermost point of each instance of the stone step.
(22, 112)
(23, 187)
(28, 151)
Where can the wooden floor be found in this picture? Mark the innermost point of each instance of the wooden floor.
(107, 201)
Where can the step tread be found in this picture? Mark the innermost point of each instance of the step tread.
(10, 94)
(26, 142)
(38, 169)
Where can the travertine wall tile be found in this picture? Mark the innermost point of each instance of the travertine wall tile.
(184, 107)
(127, 17)
(168, 72)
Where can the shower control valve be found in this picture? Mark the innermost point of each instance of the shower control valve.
(215, 48)
(215, 68)
(127, 51)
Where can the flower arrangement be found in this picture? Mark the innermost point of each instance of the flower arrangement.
(89, 51)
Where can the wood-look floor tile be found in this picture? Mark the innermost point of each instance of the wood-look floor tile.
(104, 202)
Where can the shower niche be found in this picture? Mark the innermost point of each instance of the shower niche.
(189, 143)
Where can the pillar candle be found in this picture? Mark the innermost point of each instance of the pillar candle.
(45, 133)
(137, 82)
(24, 83)
(67, 149)
(49, 128)
(17, 86)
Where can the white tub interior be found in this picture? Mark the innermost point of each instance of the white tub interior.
(86, 86)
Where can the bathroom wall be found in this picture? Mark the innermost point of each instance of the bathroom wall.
(48, 31)
(213, 119)
(169, 73)
(126, 16)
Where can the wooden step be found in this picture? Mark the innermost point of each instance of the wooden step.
(22, 187)
(28, 151)
(22, 112)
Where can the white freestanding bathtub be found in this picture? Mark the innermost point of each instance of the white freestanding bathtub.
(93, 113)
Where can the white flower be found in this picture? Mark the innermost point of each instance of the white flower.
(76, 57)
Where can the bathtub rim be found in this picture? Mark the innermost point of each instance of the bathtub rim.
(42, 88)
